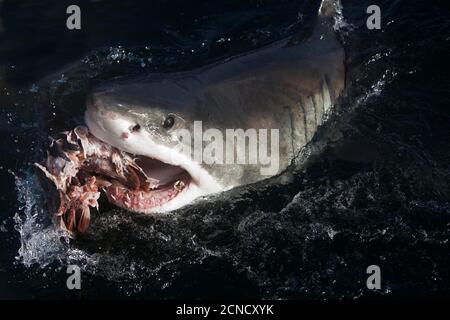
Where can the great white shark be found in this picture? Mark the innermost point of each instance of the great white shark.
(289, 85)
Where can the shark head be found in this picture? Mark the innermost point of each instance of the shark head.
(143, 118)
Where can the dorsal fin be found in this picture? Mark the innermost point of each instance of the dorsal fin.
(327, 11)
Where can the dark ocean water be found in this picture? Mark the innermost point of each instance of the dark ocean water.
(309, 233)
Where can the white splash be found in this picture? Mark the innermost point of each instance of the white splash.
(40, 242)
(340, 24)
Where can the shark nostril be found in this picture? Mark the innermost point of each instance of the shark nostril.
(135, 128)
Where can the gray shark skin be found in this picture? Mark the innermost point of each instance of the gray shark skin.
(289, 85)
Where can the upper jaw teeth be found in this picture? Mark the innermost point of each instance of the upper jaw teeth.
(178, 185)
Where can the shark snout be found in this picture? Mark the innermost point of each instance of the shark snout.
(99, 119)
(107, 118)
(100, 103)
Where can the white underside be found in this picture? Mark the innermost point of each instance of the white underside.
(110, 130)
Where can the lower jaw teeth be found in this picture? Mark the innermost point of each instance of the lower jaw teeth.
(128, 202)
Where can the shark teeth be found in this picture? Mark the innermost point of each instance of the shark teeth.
(179, 185)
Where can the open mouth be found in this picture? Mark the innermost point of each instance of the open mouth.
(81, 166)
(155, 184)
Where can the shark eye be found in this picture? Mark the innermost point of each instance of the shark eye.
(168, 122)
